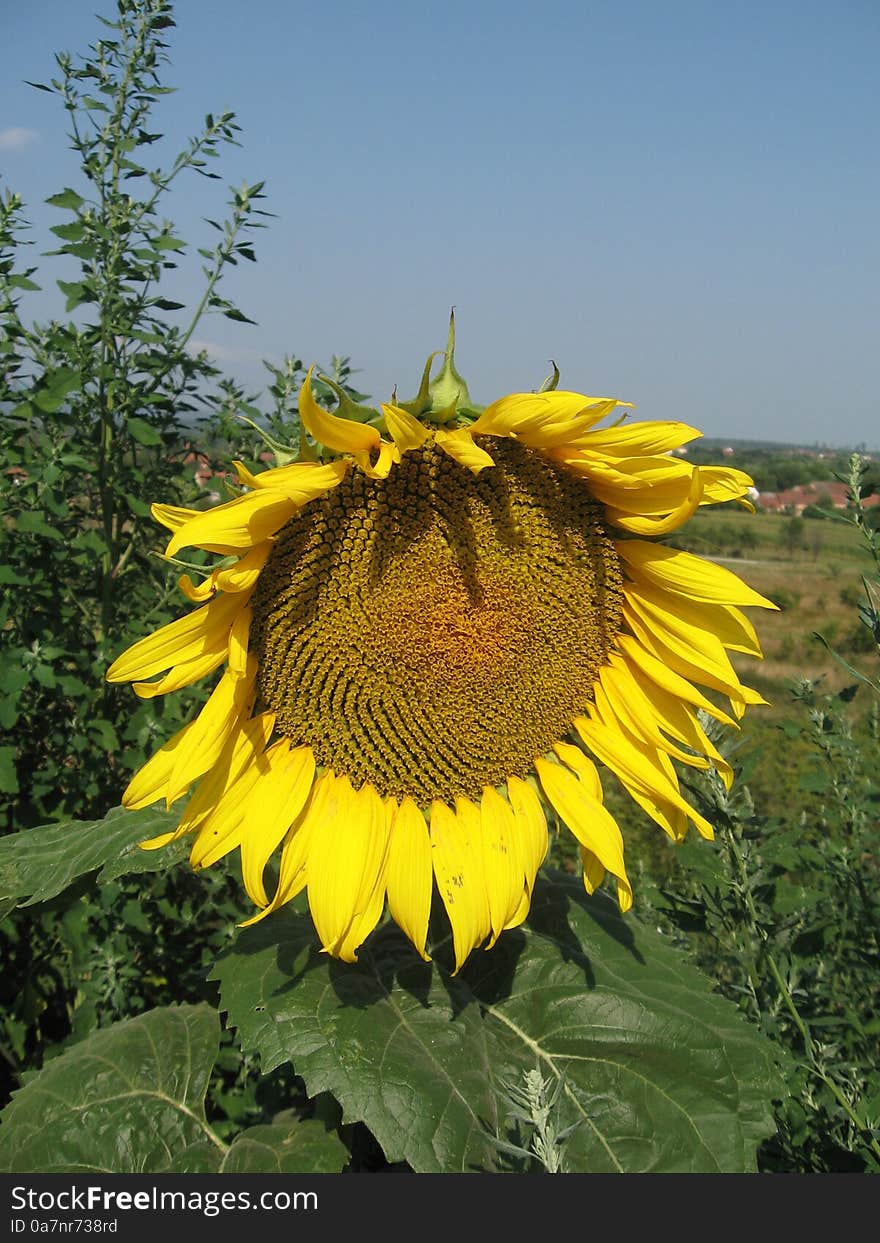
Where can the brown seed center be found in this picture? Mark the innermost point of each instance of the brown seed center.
(434, 632)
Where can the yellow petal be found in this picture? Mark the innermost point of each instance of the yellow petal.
(287, 774)
(363, 923)
(292, 874)
(662, 807)
(582, 766)
(659, 673)
(150, 782)
(550, 432)
(676, 719)
(460, 446)
(652, 485)
(230, 702)
(521, 911)
(708, 665)
(406, 432)
(385, 459)
(543, 420)
(341, 435)
(723, 483)
(156, 843)
(507, 415)
(592, 868)
(727, 623)
(220, 832)
(346, 868)
(187, 639)
(176, 518)
(241, 524)
(588, 820)
(634, 711)
(173, 516)
(457, 856)
(244, 574)
(687, 575)
(639, 768)
(649, 525)
(691, 642)
(503, 862)
(410, 878)
(289, 480)
(245, 477)
(531, 825)
(184, 674)
(637, 439)
(197, 594)
(670, 818)
(592, 871)
(237, 525)
(244, 744)
(238, 641)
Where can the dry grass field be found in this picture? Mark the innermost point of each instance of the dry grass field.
(812, 571)
(812, 568)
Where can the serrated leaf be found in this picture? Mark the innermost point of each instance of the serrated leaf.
(54, 387)
(63, 381)
(129, 1099)
(659, 1073)
(289, 1145)
(74, 292)
(38, 864)
(47, 402)
(143, 432)
(166, 242)
(32, 522)
(67, 198)
(73, 232)
(137, 506)
(17, 281)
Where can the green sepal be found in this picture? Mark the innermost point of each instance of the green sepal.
(284, 454)
(449, 390)
(421, 403)
(348, 409)
(552, 380)
(307, 452)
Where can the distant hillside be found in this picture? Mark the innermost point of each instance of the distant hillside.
(718, 443)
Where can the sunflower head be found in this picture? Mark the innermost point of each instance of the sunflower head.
(438, 629)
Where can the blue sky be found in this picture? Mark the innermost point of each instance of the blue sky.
(677, 201)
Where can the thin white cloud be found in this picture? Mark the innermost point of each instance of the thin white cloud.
(223, 353)
(16, 138)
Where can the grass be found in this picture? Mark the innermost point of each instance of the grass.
(816, 581)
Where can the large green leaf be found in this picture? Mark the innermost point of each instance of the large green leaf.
(131, 1099)
(658, 1073)
(38, 864)
(288, 1145)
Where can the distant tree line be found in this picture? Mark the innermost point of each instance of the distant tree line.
(777, 471)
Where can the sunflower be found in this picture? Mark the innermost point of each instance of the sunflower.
(435, 628)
